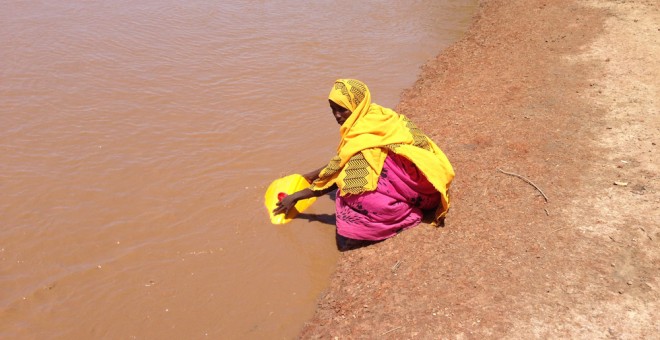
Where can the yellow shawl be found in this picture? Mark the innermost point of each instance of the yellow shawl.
(368, 135)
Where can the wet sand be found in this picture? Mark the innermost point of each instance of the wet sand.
(560, 92)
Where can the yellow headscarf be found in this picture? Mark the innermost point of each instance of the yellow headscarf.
(368, 135)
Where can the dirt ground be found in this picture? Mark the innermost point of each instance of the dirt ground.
(564, 93)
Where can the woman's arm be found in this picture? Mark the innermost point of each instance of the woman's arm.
(311, 176)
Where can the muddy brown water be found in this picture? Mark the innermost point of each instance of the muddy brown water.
(137, 140)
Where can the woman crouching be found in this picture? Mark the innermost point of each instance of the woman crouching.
(387, 171)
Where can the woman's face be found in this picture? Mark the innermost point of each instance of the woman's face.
(340, 113)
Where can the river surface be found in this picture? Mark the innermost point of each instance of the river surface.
(137, 139)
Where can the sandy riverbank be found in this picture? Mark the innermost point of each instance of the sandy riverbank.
(564, 93)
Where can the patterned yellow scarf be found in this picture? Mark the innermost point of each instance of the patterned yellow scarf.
(368, 135)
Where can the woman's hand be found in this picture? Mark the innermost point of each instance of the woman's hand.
(286, 204)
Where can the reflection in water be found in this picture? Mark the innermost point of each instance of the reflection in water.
(322, 218)
(137, 139)
(330, 219)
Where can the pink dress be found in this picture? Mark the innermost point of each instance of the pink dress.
(396, 204)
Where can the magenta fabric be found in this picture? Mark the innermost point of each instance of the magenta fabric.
(396, 204)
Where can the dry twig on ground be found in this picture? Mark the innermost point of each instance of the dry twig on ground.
(526, 180)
